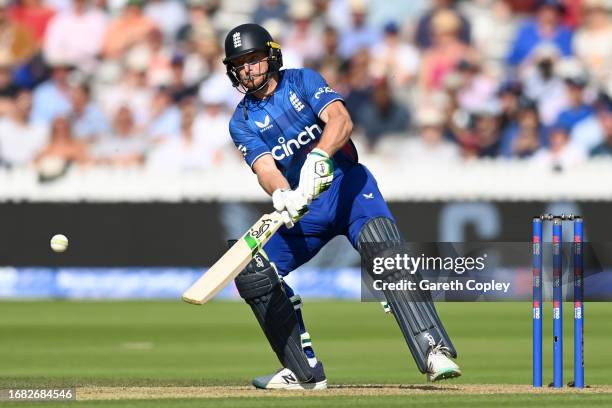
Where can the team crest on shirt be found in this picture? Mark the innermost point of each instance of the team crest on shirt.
(295, 101)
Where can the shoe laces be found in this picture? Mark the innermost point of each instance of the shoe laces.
(441, 349)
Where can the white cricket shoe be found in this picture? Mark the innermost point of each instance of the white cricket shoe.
(285, 379)
(440, 366)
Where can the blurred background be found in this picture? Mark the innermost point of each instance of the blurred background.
(473, 115)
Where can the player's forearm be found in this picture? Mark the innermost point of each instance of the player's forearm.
(272, 180)
(336, 134)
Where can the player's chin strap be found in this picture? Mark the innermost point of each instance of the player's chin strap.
(261, 287)
(414, 312)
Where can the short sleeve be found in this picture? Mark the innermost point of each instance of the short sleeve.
(249, 143)
(317, 91)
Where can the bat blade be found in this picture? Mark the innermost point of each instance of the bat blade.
(233, 261)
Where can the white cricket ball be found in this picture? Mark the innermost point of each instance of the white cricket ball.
(59, 243)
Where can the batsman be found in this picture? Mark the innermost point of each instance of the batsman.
(294, 132)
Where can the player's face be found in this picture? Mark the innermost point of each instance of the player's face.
(252, 69)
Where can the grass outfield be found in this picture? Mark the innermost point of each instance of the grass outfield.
(85, 344)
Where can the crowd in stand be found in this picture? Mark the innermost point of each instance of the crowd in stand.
(141, 83)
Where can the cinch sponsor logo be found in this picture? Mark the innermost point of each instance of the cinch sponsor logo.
(322, 90)
(287, 148)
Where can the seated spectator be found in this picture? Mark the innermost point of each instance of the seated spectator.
(546, 28)
(577, 109)
(430, 147)
(8, 89)
(483, 137)
(509, 94)
(34, 14)
(382, 115)
(124, 146)
(302, 37)
(445, 53)
(20, 139)
(165, 117)
(425, 34)
(270, 9)
(592, 40)
(199, 24)
(168, 15)
(155, 56)
(131, 27)
(591, 135)
(526, 135)
(52, 97)
(76, 36)
(543, 84)
(477, 87)
(186, 152)
(561, 154)
(359, 35)
(394, 58)
(210, 124)
(178, 86)
(17, 42)
(358, 84)
(62, 147)
(88, 120)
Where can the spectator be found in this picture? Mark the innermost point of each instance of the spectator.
(131, 27)
(88, 120)
(483, 138)
(168, 15)
(52, 97)
(383, 115)
(125, 146)
(592, 40)
(187, 152)
(476, 87)
(425, 34)
(394, 58)
(34, 14)
(210, 125)
(577, 109)
(359, 86)
(132, 91)
(561, 155)
(543, 84)
(76, 36)
(199, 24)
(270, 9)
(155, 56)
(20, 139)
(165, 117)
(62, 147)
(604, 117)
(430, 146)
(526, 135)
(178, 86)
(591, 132)
(545, 28)
(8, 89)
(446, 51)
(17, 43)
(359, 35)
(303, 38)
(509, 94)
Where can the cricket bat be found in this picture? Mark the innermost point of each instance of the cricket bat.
(234, 260)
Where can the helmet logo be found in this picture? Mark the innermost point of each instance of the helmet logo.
(237, 40)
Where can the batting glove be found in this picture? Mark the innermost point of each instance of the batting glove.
(291, 204)
(316, 175)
